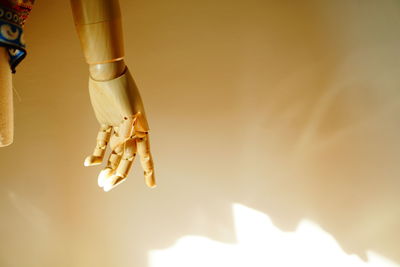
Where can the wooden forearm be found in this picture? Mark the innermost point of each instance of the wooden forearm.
(6, 101)
(98, 23)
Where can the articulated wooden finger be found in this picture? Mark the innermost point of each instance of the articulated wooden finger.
(124, 166)
(112, 164)
(115, 157)
(103, 137)
(146, 160)
(122, 133)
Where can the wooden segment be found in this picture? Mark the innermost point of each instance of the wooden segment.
(98, 23)
(124, 166)
(93, 11)
(112, 164)
(107, 71)
(103, 176)
(117, 99)
(6, 101)
(102, 42)
(146, 160)
(115, 158)
(103, 137)
(127, 158)
(112, 182)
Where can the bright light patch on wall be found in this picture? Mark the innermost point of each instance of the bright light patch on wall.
(260, 243)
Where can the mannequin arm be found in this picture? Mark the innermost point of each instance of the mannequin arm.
(115, 98)
(98, 23)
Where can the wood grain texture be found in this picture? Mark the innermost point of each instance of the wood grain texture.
(107, 71)
(94, 11)
(6, 101)
(98, 23)
(117, 99)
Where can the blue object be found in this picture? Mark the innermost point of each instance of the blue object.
(11, 37)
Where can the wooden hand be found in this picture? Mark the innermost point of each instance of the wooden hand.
(115, 98)
(119, 109)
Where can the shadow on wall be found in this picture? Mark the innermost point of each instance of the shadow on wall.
(288, 108)
(291, 109)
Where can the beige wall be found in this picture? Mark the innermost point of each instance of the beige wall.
(288, 107)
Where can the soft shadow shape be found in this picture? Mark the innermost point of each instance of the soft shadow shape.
(260, 243)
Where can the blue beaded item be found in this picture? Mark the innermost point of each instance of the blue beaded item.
(11, 36)
(12, 17)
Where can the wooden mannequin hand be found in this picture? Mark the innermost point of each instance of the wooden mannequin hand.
(119, 110)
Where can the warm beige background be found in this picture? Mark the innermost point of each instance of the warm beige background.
(288, 107)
